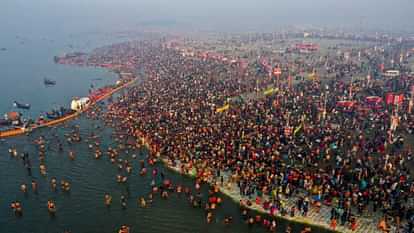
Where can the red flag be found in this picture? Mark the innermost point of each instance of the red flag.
(382, 67)
(389, 98)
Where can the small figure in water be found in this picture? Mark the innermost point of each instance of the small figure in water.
(123, 202)
(72, 155)
(51, 207)
(124, 229)
(108, 200)
(42, 168)
(23, 188)
(209, 217)
(228, 220)
(34, 186)
(17, 208)
(53, 184)
(142, 202)
(65, 185)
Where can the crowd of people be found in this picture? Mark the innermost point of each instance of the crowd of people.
(215, 120)
(296, 142)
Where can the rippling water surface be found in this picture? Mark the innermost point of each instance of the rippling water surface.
(82, 210)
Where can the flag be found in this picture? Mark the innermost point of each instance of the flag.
(389, 98)
(382, 67)
(297, 129)
(312, 76)
(224, 108)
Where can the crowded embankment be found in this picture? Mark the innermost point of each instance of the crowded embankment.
(319, 139)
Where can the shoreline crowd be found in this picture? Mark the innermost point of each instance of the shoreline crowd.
(289, 143)
(209, 118)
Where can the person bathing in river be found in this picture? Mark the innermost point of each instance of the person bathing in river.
(72, 155)
(123, 202)
(53, 184)
(228, 220)
(142, 202)
(34, 186)
(51, 207)
(17, 208)
(107, 200)
(23, 188)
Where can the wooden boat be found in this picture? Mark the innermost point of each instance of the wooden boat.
(49, 82)
(20, 105)
(22, 130)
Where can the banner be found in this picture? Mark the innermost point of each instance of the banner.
(297, 129)
(224, 108)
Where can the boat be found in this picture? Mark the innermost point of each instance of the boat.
(56, 114)
(49, 82)
(4, 122)
(53, 115)
(20, 105)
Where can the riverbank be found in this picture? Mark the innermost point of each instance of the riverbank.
(316, 217)
(287, 146)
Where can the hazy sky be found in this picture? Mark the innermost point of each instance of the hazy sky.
(81, 15)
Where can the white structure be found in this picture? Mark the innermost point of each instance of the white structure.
(392, 73)
(79, 104)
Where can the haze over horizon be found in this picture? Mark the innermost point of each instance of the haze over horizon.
(77, 16)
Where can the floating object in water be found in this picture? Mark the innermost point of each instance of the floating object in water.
(49, 82)
(20, 105)
(3, 49)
